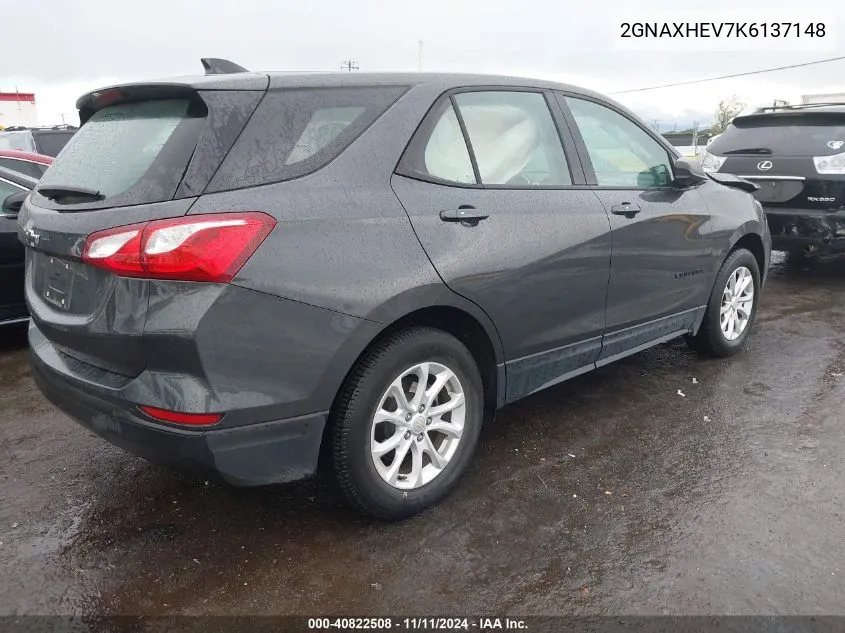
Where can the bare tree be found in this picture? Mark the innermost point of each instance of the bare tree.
(725, 112)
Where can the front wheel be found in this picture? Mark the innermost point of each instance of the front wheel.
(732, 307)
(406, 423)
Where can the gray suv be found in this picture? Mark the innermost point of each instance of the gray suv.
(256, 275)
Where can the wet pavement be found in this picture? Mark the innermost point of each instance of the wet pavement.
(611, 493)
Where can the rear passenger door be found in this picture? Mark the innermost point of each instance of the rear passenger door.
(498, 200)
(662, 249)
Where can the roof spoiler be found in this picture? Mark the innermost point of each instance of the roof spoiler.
(215, 66)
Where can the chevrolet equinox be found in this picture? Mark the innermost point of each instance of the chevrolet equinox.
(253, 274)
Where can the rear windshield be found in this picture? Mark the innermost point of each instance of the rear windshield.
(783, 135)
(297, 131)
(131, 153)
(21, 141)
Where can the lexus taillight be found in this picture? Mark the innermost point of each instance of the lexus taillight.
(210, 247)
(831, 165)
(711, 163)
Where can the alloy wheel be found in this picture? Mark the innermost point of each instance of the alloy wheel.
(418, 425)
(737, 303)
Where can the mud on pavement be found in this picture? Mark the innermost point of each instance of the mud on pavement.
(663, 484)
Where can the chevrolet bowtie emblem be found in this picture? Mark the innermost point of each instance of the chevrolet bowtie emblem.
(32, 236)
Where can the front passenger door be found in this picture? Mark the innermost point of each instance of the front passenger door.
(661, 249)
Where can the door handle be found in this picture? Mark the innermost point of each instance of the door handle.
(464, 213)
(626, 208)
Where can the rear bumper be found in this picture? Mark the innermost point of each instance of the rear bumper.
(796, 229)
(246, 455)
(271, 366)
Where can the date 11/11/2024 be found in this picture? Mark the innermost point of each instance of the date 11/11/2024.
(419, 624)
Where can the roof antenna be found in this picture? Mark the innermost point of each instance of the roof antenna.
(215, 66)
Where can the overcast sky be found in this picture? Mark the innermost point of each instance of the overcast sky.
(60, 49)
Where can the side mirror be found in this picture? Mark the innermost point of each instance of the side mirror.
(688, 172)
(13, 203)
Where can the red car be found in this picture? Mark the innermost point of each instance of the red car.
(25, 162)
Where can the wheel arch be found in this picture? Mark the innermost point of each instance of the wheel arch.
(745, 238)
(753, 243)
(469, 330)
(437, 307)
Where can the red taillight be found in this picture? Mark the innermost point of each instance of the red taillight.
(193, 419)
(210, 247)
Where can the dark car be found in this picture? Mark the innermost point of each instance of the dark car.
(252, 274)
(33, 165)
(13, 185)
(796, 154)
(37, 140)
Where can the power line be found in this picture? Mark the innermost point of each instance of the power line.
(752, 72)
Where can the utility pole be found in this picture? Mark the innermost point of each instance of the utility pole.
(63, 118)
(419, 58)
(655, 125)
(349, 65)
(695, 138)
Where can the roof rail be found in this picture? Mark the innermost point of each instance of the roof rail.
(215, 66)
(797, 106)
(40, 128)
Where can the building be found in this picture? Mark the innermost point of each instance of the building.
(689, 143)
(18, 108)
(831, 97)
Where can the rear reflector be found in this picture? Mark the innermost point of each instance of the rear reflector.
(210, 247)
(193, 419)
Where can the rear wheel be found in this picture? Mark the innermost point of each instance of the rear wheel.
(406, 423)
(732, 307)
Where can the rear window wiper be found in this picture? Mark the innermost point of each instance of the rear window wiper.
(748, 150)
(60, 192)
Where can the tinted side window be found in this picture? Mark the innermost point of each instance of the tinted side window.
(622, 153)
(7, 189)
(22, 166)
(297, 131)
(513, 138)
(51, 143)
(438, 150)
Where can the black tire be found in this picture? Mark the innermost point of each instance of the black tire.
(710, 340)
(353, 413)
